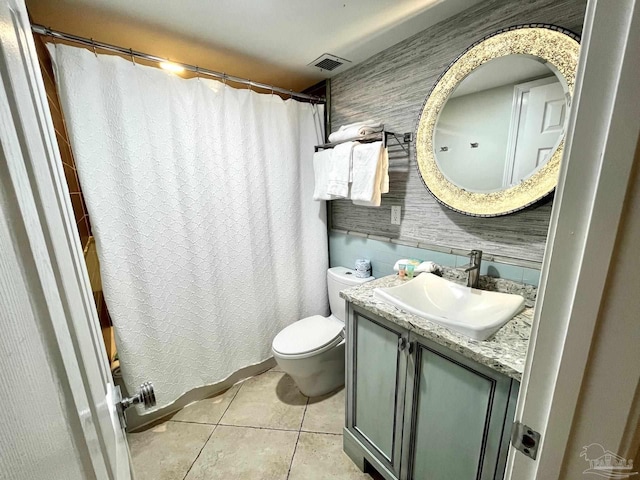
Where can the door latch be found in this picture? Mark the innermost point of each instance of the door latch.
(525, 439)
(146, 397)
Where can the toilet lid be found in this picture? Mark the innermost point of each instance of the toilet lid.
(308, 335)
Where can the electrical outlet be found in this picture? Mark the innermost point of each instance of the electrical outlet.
(395, 215)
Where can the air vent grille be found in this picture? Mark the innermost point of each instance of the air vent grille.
(328, 62)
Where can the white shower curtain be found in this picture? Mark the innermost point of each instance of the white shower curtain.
(200, 200)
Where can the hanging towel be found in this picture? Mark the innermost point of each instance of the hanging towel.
(384, 185)
(322, 166)
(354, 132)
(367, 170)
(340, 175)
(370, 174)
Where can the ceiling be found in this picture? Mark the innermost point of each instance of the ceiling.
(270, 41)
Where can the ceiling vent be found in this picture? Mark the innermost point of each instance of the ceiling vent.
(328, 62)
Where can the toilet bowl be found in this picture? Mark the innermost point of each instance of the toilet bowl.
(311, 350)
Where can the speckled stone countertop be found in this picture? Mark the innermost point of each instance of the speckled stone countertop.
(505, 351)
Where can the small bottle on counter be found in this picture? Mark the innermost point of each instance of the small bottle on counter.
(410, 269)
(402, 270)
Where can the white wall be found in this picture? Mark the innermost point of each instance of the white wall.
(483, 117)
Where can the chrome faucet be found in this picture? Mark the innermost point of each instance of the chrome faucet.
(473, 268)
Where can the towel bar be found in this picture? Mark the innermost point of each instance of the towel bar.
(403, 140)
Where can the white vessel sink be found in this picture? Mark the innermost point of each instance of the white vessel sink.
(475, 313)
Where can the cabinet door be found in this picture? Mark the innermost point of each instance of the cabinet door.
(376, 371)
(456, 418)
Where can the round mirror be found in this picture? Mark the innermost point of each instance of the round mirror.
(490, 136)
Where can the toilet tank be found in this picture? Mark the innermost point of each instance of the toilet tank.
(340, 278)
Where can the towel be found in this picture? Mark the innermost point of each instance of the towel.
(340, 175)
(429, 267)
(370, 123)
(322, 166)
(367, 174)
(354, 132)
(384, 183)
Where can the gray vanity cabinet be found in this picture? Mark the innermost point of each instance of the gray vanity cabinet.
(420, 411)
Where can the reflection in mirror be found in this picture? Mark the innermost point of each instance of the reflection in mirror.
(501, 124)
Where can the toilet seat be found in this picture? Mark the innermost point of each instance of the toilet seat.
(309, 336)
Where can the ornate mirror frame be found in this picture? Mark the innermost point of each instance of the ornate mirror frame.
(559, 48)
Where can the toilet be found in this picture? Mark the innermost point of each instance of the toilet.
(311, 350)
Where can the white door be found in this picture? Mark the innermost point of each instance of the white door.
(60, 419)
(540, 130)
(602, 136)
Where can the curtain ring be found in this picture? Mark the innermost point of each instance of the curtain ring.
(94, 47)
(198, 72)
(133, 59)
(50, 34)
(250, 89)
(291, 94)
(224, 79)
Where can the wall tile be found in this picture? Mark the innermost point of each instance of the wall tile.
(65, 151)
(76, 203)
(381, 269)
(83, 231)
(383, 255)
(461, 261)
(501, 270)
(531, 276)
(72, 179)
(56, 112)
(444, 259)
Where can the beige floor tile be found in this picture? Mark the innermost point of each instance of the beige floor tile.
(319, 456)
(270, 400)
(166, 451)
(209, 410)
(242, 453)
(325, 414)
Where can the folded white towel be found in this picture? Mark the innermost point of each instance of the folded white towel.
(428, 267)
(368, 123)
(322, 166)
(353, 133)
(367, 174)
(340, 176)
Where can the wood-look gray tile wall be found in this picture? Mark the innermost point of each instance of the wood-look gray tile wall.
(392, 87)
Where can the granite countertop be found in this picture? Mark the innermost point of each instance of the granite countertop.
(505, 351)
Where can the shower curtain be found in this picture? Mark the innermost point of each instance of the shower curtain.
(200, 200)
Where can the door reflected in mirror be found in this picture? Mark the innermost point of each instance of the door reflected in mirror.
(501, 124)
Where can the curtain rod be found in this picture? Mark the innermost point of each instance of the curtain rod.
(89, 42)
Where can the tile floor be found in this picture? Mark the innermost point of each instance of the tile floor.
(263, 428)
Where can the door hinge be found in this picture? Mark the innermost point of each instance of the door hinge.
(525, 439)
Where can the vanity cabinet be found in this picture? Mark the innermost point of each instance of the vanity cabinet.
(420, 411)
